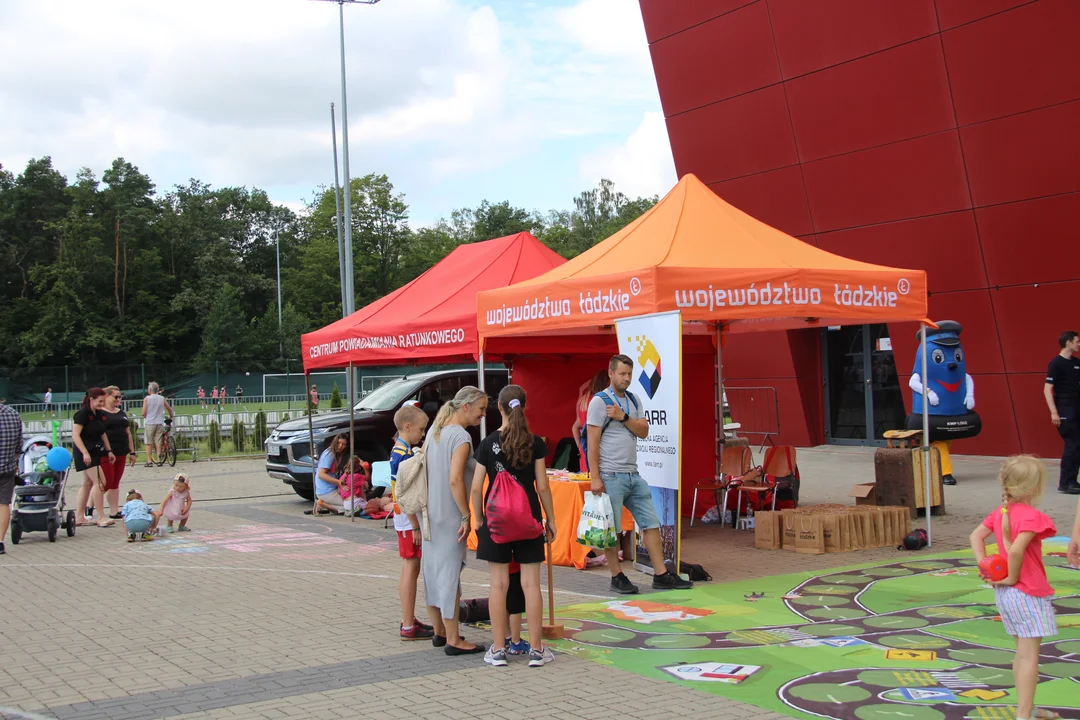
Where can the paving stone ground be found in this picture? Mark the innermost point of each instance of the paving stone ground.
(262, 612)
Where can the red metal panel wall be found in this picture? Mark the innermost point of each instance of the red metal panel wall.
(938, 134)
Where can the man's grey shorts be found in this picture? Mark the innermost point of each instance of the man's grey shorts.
(7, 489)
(630, 490)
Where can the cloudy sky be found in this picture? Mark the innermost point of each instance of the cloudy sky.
(456, 100)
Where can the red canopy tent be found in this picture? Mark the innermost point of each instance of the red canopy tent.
(433, 318)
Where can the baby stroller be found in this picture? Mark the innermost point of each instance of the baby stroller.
(39, 501)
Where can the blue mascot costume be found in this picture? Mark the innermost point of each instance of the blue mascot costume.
(950, 391)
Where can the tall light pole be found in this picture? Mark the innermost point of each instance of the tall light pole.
(281, 336)
(350, 295)
(337, 215)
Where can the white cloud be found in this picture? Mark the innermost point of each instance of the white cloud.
(236, 92)
(607, 27)
(641, 166)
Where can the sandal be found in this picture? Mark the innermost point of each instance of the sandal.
(117, 516)
(1045, 714)
(107, 523)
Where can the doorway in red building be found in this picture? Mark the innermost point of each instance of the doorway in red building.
(862, 394)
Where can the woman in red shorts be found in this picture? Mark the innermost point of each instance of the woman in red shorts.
(118, 430)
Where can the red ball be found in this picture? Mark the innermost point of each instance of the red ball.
(994, 567)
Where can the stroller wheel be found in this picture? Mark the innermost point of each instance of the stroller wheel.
(52, 525)
(16, 531)
(69, 523)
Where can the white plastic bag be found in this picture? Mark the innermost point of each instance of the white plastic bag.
(596, 528)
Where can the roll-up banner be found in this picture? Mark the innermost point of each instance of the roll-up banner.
(654, 343)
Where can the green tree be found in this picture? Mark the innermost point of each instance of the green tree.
(226, 334)
(381, 235)
(335, 398)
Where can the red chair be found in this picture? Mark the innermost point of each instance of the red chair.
(779, 472)
(735, 462)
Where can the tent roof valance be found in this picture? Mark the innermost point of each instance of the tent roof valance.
(695, 253)
(433, 318)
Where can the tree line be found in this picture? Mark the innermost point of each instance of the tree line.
(106, 270)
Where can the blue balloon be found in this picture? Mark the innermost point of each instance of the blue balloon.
(58, 459)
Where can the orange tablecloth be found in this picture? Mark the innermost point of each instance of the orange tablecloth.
(568, 499)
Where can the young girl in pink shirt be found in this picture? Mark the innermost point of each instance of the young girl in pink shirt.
(1024, 598)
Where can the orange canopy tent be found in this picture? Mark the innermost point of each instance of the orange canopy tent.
(695, 253)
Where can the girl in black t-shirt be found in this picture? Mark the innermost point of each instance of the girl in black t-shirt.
(118, 431)
(521, 454)
(91, 449)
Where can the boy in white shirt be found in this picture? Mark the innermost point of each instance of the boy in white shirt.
(410, 422)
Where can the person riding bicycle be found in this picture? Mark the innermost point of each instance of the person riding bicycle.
(153, 411)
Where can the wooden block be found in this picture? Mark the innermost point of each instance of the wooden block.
(899, 479)
(937, 487)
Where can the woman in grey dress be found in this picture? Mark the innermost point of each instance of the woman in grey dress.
(450, 467)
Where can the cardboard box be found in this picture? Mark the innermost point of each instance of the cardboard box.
(864, 494)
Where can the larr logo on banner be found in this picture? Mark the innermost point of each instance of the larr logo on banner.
(649, 360)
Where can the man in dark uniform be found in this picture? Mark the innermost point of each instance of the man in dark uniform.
(1062, 393)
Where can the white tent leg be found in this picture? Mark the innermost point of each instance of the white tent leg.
(480, 375)
(311, 444)
(926, 438)
(720, 437)
(352, 444)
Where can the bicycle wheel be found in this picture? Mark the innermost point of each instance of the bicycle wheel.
(170, 450)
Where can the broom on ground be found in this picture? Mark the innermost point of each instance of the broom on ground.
(551, 631)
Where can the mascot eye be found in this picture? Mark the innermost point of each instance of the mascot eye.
(959, 355)
(937, 356)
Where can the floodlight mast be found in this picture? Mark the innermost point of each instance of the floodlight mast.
(350, 295)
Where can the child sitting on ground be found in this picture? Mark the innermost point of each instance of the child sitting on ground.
(139, 519)
(410, 422)
(1024, 598)
(177, 503)
(354, 489)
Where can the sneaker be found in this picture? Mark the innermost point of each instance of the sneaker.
(622, 585)
(496, 657)
(423, 626)
(521, 647)
(148, 536)
(1070, 490)
(670, 581)
(540, 658)
(416, 632)
(2, 550)
(183, 528)
(948, 480)
(172, 529)
(131, 537)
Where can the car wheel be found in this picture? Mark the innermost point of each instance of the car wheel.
(308, 493)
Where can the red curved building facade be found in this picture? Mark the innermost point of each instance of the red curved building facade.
(941, 135)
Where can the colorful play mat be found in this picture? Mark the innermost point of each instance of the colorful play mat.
(916, 639)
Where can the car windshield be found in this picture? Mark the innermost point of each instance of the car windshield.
(388, 396)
